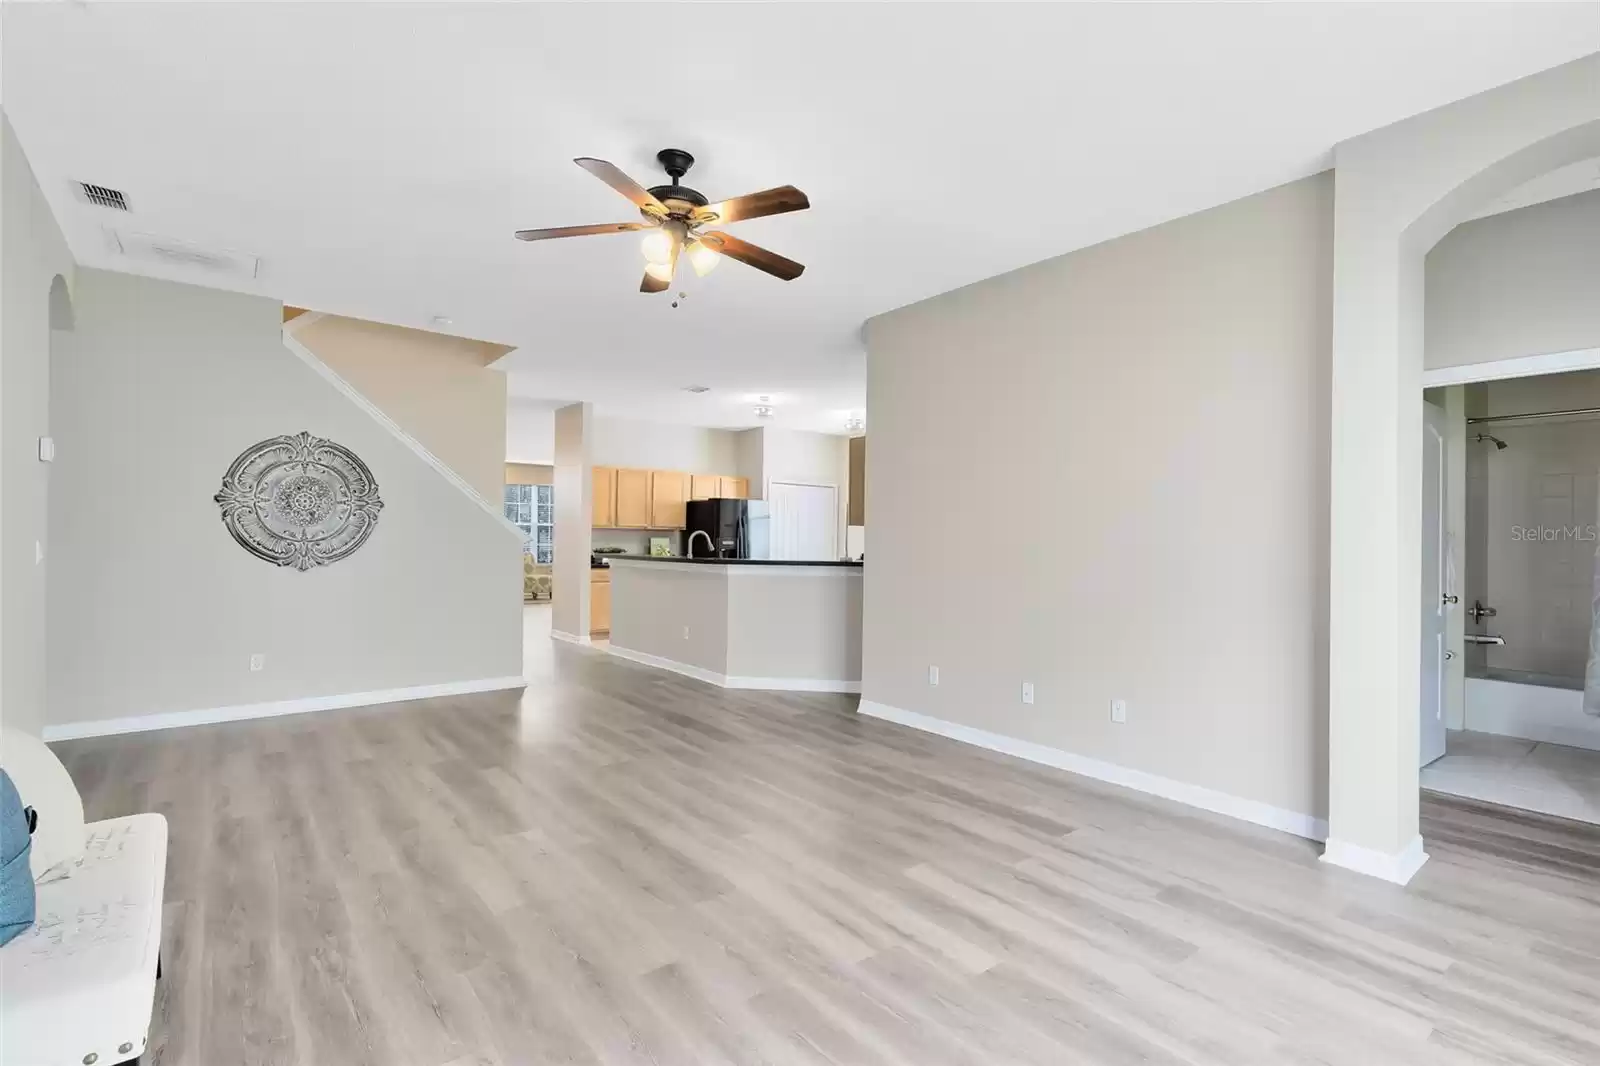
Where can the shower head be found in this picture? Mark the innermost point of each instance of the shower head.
(1499, 444)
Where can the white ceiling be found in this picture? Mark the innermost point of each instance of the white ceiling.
(377, 157)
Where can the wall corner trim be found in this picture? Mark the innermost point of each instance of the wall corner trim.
(1399, 868)
(307, 356)
(1247, 810)
(208, 715)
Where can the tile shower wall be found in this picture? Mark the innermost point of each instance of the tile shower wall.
(1533, 509)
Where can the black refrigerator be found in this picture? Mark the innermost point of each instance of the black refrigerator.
(725, 522)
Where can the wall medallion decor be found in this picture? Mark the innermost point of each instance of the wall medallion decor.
(299, 501)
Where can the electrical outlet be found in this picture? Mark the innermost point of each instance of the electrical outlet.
(1119, 710)
(933, 675)
(258, 662)
(1027, 692)
(685, 632)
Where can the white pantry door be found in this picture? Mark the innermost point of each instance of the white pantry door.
(805, 520)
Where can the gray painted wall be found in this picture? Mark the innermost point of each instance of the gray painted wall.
(1153, 444)
(32, 255)
(153, 607)
(1524, 282)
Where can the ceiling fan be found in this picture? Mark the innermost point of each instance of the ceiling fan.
(677, 218)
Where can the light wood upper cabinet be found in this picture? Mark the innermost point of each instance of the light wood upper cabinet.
(605, 497)
(654, 499)
(633, 499)
(668, 491)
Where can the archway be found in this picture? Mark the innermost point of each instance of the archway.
(61, 316)
(1400, 190)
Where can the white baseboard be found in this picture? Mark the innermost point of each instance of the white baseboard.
(571, 638)
(1532, 712)
(711, 677)
(1400, 867)
(1301, 825)
(208, 715)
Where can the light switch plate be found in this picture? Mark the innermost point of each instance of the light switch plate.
(1027, 692)
(1119, 710)
(933, 675)
(47, 449)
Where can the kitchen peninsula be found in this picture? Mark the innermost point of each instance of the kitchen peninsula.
(741, 623)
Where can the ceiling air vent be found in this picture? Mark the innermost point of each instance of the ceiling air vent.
(697, 388)
(182, 255)
(101, 196)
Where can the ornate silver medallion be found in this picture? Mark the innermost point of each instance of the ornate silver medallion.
(299, 501)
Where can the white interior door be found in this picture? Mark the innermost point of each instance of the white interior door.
(805, 520)
(1431, 712)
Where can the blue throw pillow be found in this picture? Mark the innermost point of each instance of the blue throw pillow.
(16, 879)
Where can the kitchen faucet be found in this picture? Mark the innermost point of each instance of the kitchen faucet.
(709, 543)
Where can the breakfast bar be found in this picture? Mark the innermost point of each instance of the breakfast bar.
(741, 623)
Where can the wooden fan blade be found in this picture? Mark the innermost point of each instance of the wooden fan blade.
(752, 255)
(779, 201)
(578, 231)
(623, 184)
(652, 283)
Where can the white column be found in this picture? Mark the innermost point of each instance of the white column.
(574, 491)
(1375, 543)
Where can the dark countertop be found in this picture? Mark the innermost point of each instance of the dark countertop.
(739, 562)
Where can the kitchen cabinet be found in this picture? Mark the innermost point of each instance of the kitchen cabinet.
(668, 491)
(625, 498)
(599, 602)
(633, 500)
(604, 507)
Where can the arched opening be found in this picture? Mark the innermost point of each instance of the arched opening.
(1400, 190)
(61, 316)
(1509, 501)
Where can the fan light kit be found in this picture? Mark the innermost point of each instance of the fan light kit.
(855, 424)
(763, 411)
(677, 218)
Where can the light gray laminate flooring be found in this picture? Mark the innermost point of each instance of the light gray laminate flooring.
(626, 866)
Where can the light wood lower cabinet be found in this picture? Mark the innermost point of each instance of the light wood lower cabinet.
(599, 601)
(633, 499)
